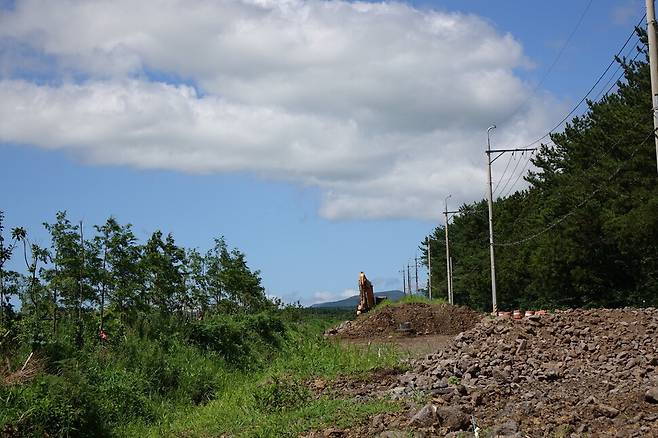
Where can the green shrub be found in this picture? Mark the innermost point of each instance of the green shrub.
(52, 406)
(240, 339)
(282, 393)
(123, 396)
(268, 327)
(224, 335)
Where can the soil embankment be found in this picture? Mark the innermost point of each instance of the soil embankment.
(418, 318)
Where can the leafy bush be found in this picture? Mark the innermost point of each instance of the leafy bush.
(280, 394)
(52, 406)
(270, 328)
(223, 335)
(123, 396)
(239, 339)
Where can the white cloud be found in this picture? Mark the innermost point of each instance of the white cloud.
(382, 106)
(322, 297)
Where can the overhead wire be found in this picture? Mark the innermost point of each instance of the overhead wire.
(555, 60)
(618, 78)
(509, 160)
(520, 174)
(614, 79)
(580, 102)
(512, 175)
(596, 83)
(599, 156)
(581, 203)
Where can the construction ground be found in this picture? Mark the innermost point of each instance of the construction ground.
(568, 373)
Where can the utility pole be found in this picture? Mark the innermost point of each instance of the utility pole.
(78, 333)
(416, 259)
(404, 282)
(446, 214)
(429, 267)
(452, 288)
(491, 241)
(653, 67)
(409, 277)
(490, 161)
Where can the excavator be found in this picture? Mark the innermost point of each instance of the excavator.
(367, 299)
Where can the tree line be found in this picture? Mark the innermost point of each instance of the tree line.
(84, 277)
(585, 230)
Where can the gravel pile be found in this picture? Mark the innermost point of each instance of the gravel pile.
(571, 373)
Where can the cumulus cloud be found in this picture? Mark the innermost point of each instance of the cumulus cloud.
(381, 105)
(323, 297)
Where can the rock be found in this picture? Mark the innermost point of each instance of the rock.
(507, 428)
(425, 417)
(397, 393)
(453, 418)
(333, 433)
(393, 434)
(378, 421)
(651, 395)
(607, 411)
(576, 368)
(476, 398)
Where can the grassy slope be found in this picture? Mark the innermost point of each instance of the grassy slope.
(240, 408)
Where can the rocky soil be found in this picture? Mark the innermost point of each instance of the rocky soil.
(569, 374)
(422, 319)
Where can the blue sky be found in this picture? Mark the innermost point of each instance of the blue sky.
(320, 138)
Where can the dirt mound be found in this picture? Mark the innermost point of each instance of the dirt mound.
(419, 318)
(572, 373)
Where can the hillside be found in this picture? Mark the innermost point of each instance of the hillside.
(353, 301)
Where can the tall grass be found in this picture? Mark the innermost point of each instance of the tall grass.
(245, 405)
(408, 299)
(237, 374)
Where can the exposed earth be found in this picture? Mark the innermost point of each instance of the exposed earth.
(567, 374)
(422, 319)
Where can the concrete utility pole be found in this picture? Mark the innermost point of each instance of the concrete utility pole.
(445, 215)
(404, 282)
(490, 161)
(653, 67)
(491, 239)
(452, 285)
(429, 267)
(409, 277)
(416, 259)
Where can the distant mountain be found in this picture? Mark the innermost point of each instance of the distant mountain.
(353, 301)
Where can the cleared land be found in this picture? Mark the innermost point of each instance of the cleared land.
(569, 373)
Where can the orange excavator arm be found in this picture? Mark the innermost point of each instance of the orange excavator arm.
(366, 295)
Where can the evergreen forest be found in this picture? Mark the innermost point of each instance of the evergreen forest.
(584, 233)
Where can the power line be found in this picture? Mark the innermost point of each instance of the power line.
(600, 78)
(555, 60)
(607, 91)
(513, 172)
(525, 167)
(580, 204)
(598, 159)
(614, 83)
(509, 160)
